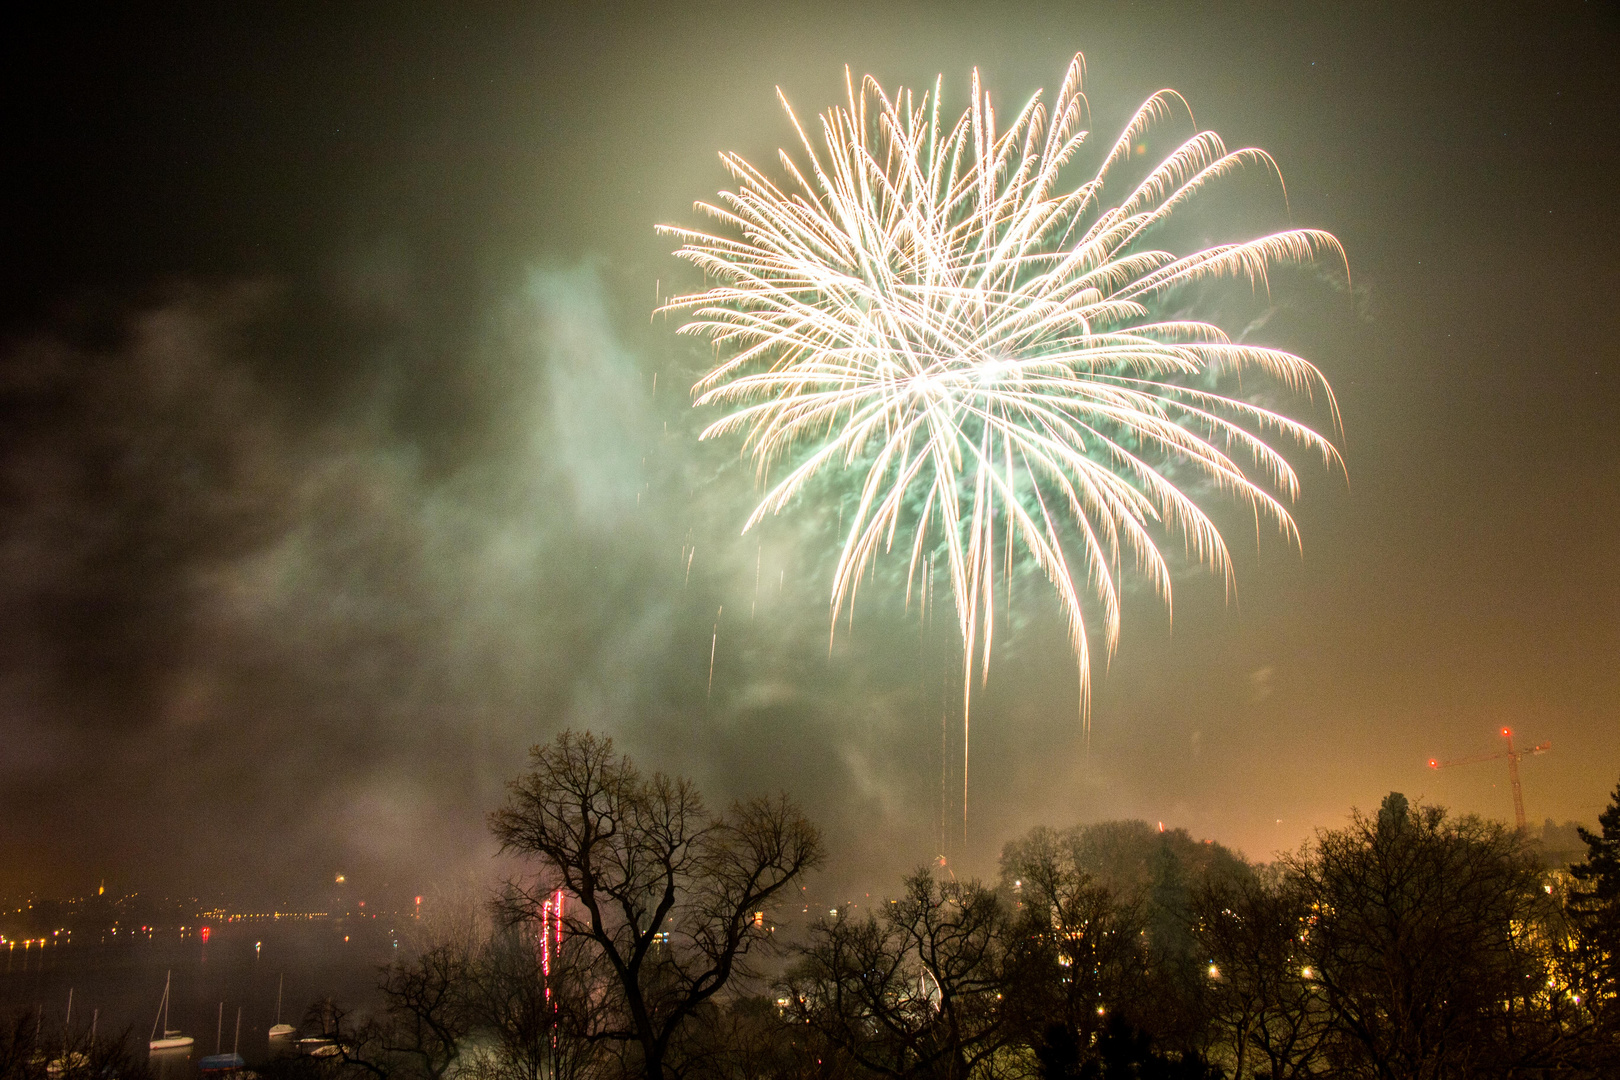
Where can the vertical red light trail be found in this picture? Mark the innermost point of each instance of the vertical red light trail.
(547, 944)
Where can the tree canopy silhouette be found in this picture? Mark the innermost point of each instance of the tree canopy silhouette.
(671, 894)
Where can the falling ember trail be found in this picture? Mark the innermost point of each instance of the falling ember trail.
(713, 643)
(944, 757)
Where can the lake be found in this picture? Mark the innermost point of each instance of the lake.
(239, 966)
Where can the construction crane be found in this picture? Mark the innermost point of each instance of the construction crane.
(1513, 757)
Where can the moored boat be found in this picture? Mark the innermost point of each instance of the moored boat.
(225, 1063)
(280, 1030)
(74, 1061)
(221, 1063)
(172, 1039)
(316, 1046)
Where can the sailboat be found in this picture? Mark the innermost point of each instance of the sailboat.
(280, 1030)
(71, 1060)
(172, 1040)
(218, 1062)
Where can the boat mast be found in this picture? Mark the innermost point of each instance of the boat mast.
(163, 1008)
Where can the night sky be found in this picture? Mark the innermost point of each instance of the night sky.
(333, 475)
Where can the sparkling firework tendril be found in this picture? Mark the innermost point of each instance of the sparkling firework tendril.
(925, 306)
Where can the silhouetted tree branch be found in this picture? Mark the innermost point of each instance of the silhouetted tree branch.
(914, 992)
(666, 890)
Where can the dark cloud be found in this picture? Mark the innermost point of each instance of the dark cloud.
(322, 633)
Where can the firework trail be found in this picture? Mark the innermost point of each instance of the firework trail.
(922, 304)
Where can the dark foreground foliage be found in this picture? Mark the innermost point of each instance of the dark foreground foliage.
(1408, 945)
(30, 1050)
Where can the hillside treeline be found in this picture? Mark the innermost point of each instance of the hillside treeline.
(1409, 944)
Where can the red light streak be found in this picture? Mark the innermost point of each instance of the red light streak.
(548, 943)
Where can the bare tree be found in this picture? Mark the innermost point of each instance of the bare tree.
(915, 992)
(1078, 948)
(428, 1011)
(1421, 939)
(540, 1020)
(1269, 1008)
(31, 1051)
(355, 1044)
(422, 1029)
(669, 893)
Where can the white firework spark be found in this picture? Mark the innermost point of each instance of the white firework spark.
(922, 305)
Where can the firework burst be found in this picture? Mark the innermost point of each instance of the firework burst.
(924, 305)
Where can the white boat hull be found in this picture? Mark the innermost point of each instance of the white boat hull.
(281, 1031)
(172, 1038)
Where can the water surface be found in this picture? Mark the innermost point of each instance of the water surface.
(118, 979)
